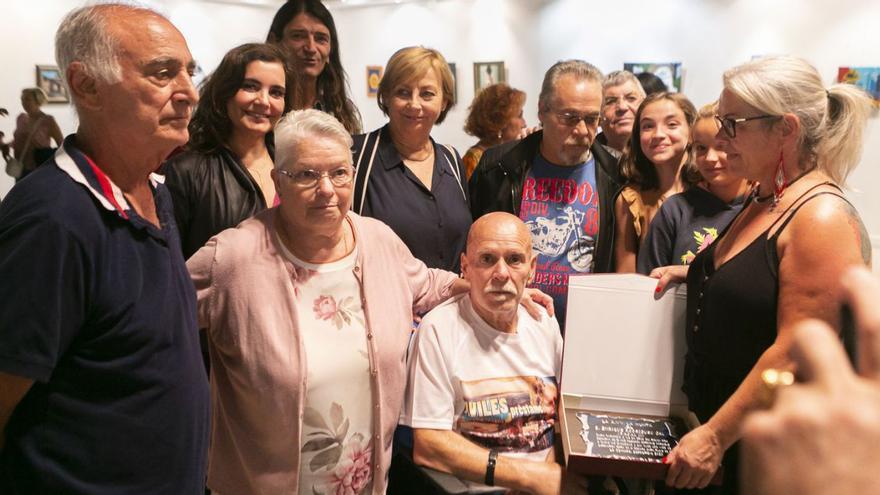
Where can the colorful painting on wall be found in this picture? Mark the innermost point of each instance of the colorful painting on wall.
(374, 75)
(867, 78)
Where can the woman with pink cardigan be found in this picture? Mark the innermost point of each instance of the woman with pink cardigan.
(308, 309)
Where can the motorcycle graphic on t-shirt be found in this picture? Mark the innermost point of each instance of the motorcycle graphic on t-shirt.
(550, 237)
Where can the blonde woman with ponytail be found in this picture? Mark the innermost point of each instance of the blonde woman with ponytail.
(782, 257)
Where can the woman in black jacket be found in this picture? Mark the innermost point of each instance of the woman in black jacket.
(223, 177)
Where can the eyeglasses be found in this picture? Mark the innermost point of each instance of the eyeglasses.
(729, 123)
(570, 119)
(339, 177)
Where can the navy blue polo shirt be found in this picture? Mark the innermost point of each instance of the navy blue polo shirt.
(432, 223)
(99, 310)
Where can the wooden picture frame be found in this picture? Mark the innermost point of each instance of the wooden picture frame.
(488, 73)
(50, 80)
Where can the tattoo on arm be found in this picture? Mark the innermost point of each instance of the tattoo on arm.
(855, 221)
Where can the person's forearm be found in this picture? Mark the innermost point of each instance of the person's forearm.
(12, 390)
(451, 453)
(460, 286)
(727, 422)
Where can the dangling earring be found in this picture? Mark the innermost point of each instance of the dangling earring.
(780, 182)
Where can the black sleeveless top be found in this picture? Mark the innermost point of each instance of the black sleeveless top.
(731, 314)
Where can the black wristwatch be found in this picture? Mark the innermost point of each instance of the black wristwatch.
(490, 468)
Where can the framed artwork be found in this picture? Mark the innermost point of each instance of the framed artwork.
(867, 78)
(668, 72)
(488, 73)
(374, 75)
(454, 81)
(49, 80)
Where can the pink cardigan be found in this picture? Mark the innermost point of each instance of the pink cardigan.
(245, 300)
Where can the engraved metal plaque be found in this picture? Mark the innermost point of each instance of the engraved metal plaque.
(629, 438)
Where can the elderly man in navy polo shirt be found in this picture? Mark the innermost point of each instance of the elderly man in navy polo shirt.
(102, 388)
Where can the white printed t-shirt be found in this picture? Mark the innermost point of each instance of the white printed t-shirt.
(498, 390)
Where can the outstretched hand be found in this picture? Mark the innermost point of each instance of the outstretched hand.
(821, 435)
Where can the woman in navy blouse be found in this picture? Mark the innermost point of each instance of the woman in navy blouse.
(404, 178)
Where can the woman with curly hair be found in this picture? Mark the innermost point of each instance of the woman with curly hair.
(223, 177)
(495, 117)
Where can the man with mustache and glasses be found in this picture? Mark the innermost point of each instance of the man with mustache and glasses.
(483, 374)
(102, 388)
(560, 182)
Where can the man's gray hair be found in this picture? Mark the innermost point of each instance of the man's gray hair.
(619, 77)
(84, 37)
(302, 126)
(578, 68)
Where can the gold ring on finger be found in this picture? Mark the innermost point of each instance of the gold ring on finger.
(771, 381)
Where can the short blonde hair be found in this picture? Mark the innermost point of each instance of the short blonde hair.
(411, 63)
(37, 94)
(708, 111)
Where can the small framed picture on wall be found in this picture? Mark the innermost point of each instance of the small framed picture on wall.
(374, 75)
(488, 73)
(867, 78)
(668, 72)
(49, 80)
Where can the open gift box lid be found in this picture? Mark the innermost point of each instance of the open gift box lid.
(622, 369)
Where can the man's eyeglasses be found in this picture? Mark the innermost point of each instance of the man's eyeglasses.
(571, 119)
(729, 123)
(339, 177)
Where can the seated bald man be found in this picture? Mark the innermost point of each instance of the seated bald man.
(482, 390)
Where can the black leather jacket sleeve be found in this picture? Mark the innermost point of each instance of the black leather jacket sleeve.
(211, 192)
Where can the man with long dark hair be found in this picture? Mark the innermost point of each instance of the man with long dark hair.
(305, 29)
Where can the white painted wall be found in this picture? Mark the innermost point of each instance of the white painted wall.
(707, 36)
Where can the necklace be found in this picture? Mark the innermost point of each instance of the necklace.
(773, 196)
(412, 158)
(762, 199)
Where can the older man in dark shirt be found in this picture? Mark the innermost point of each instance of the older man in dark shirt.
(101, 383)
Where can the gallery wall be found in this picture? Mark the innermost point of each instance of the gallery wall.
(706, 36)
